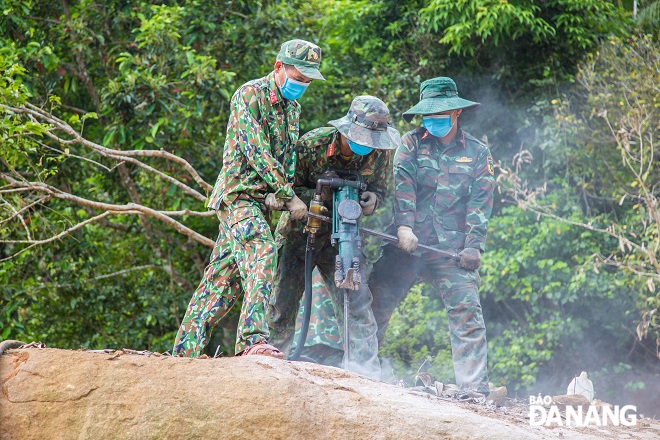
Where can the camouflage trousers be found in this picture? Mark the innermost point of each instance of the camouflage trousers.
(242, 262)
(323, 344)
(323, 329)
(394, 274)
(290, 286)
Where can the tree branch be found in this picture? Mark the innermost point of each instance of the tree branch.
(129, 208)
(25, 208)
(34, 243)
(127, 155)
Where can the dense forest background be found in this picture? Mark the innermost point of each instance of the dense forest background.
(112, 120)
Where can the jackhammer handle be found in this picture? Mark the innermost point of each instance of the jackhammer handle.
(394, 239)
(334, 182)
(262, 200)
(391, 238)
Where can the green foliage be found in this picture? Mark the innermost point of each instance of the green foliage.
(417, 337)
(466, 21)
(518, 353)
(536, 277)
(500, 34)
(147, 76)
(613, 116)
(649, 16)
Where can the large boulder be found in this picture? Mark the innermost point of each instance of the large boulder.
(62, 394)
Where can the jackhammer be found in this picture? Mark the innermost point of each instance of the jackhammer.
(345, 236)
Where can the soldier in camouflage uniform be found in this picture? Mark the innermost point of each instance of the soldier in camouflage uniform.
(346, 145)
(444, 184)
(259, 160)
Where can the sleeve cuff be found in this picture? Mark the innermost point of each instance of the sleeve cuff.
(286, 192)
(406, 219)
(475, 241)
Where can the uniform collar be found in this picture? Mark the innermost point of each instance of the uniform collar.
(274, 93)
(334, 148)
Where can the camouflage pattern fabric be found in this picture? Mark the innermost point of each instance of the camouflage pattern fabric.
(242, 262)
(258, 157)
(323, 344)
(323, 328)
(393, 276)
(445, 194)
(446, 189)
(288, 291)
(317, 151)
(368, 123)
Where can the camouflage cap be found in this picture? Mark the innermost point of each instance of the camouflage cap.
(438, 95)
(367, 123)
(305, 56)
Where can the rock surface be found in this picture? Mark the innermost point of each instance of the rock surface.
(62, 394)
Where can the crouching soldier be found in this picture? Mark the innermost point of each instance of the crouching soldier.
(357, 142)
(259, 160)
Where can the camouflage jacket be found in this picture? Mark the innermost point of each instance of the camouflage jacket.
(452, 184)
(259, 155)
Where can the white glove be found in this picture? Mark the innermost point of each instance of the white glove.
(273, 203)
(297, 208)
(407, 239)
(368, 202)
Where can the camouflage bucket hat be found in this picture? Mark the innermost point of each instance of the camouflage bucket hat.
(367, 123)
(305, 56)
(438, 95)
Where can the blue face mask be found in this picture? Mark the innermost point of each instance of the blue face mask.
(292, 89)
(360, 150)
(437, 125)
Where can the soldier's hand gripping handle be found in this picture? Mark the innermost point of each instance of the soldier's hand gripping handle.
(407, 239)
(368, 202)
(273, 203)
(470, 259)
(297, 208)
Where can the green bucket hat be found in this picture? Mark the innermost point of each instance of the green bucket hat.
(438, 95)
(367, 123)
(305, 56)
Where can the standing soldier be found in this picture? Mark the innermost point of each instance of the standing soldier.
(259, 160)
(356, 142)
(444, 184)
